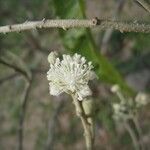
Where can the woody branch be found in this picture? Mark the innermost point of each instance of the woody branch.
(74, 23)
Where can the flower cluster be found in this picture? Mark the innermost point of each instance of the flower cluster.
(127, 107)
(124, 110)
(70, 75)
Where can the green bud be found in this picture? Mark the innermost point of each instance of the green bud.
(52, 57)
(88, 106)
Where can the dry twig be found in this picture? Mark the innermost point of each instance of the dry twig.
(73, 23)
(52, 125)
(22, 114)
(8, 78)
(132, 135)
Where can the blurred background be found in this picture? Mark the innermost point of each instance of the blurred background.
(29, 114)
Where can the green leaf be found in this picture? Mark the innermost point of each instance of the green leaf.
(80, 40)
(13, 61)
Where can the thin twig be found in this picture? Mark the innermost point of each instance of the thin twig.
(144, 4)
(13, 75)
(22, 115)
(8, 77)
(52, 125)
(133, 136)
(10, 60)
(13, 67)
(73, 23)
(135, 120)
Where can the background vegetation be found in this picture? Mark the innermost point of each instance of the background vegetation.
(49, 122)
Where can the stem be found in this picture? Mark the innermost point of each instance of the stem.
(120, 96)
(133, 136)
(89, 139)
(144, 4)
(52, 125)
(74, 23)
(135, 120)
(22, 115)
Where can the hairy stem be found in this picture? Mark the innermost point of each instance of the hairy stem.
(52, 125)
(88, 130)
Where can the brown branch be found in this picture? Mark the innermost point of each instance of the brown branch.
(12, 61)
(13, 67)
(22, 115)
(13, 75)
(2, 80)
(52, 124)
(73, 23)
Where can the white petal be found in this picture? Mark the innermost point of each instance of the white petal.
(55, 90)
(92, 75)
(85, 91)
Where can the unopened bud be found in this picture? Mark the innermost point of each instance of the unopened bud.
(141, 99)
(115, 88)
(52, 57)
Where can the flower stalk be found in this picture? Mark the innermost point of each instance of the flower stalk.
(126, 111)
(71, 75)
(87, 123)
(132, 135)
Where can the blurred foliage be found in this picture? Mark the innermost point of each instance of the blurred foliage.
(11, 60)
(128, 54)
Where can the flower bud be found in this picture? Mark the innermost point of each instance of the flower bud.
(52, 57)
(88, 106)
(141, 99)
(115, 88)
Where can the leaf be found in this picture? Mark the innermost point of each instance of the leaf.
(80, 40)
(13, 61)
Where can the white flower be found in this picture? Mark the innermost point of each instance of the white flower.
(141, 99)
(115, 88)
(70, 75)
(123, 111)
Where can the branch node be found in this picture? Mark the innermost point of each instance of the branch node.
(42, 23)
(96, 21)
(64, 28)
(36, 28)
